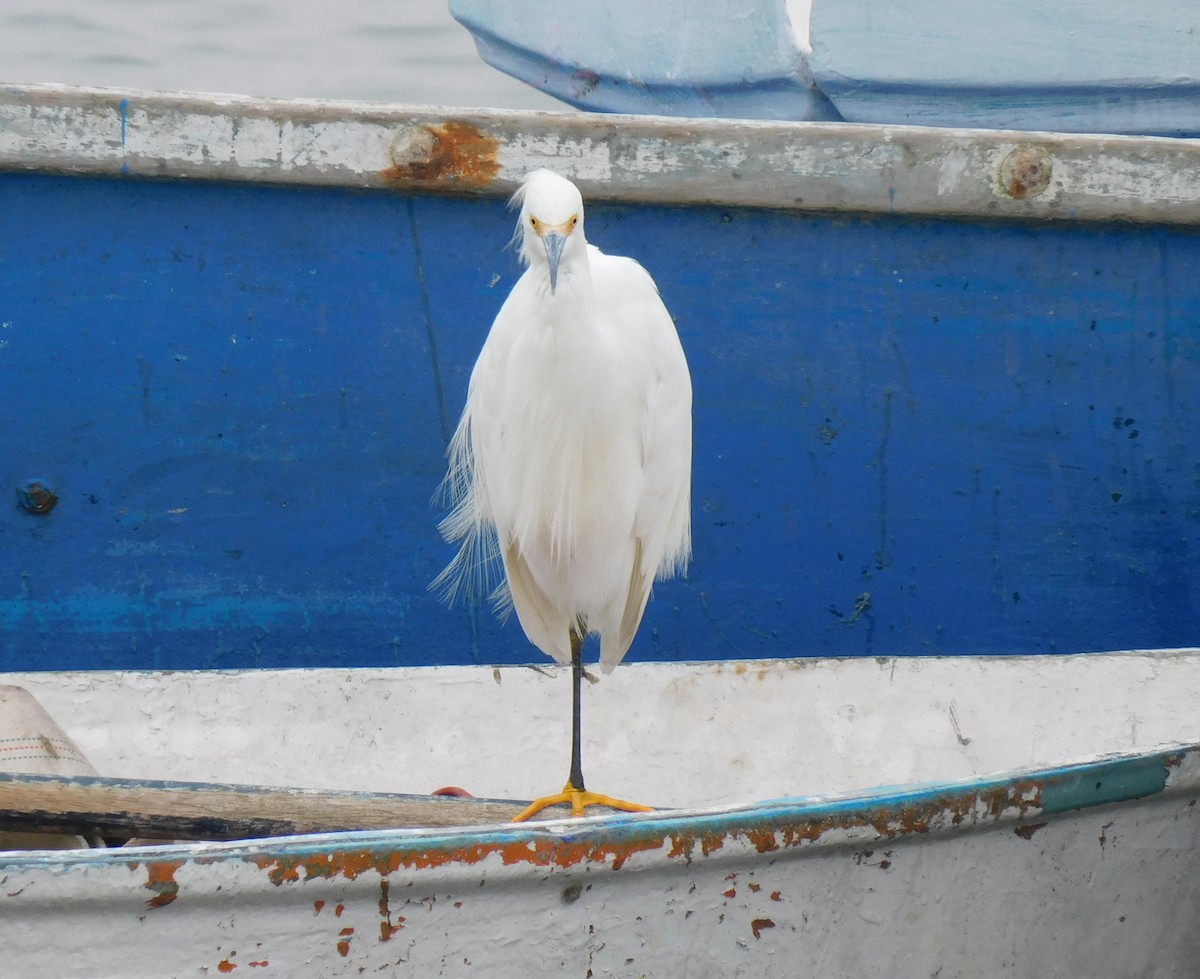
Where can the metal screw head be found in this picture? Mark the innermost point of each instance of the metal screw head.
(34, 496)
(1024, 173)
(413, 147)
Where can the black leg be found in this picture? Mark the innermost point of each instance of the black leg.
(573, 793)
(575, 780)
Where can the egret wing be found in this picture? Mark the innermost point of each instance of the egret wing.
(662, 524)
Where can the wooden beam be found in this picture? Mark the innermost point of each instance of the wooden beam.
(125, 808)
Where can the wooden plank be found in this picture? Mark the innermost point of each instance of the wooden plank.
(828, 167)
(114, 807)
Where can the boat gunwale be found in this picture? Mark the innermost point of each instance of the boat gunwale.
(1025, 800)
(796, 166)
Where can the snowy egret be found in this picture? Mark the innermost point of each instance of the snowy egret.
(571, 464)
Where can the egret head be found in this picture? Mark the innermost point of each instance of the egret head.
(551, 220)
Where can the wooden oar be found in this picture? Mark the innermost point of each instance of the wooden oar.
(127, 808)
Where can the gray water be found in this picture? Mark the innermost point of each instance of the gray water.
(374, 50)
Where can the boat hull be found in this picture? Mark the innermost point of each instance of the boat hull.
(915, 432)
(1083, 871)
(1091, 820)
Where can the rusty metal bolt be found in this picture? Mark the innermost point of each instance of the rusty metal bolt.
(413, 147)
(34, 496)
(1024, 173)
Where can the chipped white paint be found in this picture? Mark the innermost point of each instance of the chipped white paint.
(798, 166)
(988, 903)
(995, 876)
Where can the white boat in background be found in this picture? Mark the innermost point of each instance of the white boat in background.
(1063, 66)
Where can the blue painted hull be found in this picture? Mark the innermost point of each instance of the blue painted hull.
(911, 436)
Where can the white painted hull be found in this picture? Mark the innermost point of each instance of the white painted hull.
(1085, 872)
(672, 734)
(1103, 892)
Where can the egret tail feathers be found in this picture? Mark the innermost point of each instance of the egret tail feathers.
(613, 647)
(476, 570)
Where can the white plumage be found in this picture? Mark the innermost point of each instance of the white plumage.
(572, 461)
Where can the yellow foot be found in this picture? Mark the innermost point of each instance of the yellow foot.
(578, 799)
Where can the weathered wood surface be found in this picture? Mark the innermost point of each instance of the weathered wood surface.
(793, 166)
(201, 811)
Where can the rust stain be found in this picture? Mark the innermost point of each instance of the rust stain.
(887, 822)
(386, 928)
(225, 966)
(337, 911)
(37, 498)
(259, 965)
(755, 888)
(459, 154)
(160, 878)
(684, 844)
(731, 893)
(1025, 172)
(1026, 832)
(343, 945)
(317, 906)
(776, 896)
(542, 852)
(758, 924)
(762, 840)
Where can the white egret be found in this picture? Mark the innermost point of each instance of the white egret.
(572, 461)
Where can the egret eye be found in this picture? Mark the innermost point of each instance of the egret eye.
(533, 223)
(574, 220)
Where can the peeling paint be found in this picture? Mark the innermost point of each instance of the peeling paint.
(457, 154)
(803, 166)
(915, 815)
(387, 929)
(759, 924)
(727, 866)
(160, 878)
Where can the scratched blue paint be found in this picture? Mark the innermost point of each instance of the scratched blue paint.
(911, 436)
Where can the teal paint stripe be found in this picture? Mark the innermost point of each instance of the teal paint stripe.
(1108, 782)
